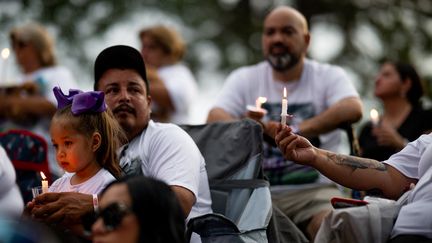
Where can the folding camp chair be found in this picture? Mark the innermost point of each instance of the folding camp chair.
(28, 153)
(241, 199)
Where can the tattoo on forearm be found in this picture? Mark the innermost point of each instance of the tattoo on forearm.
(356, 162)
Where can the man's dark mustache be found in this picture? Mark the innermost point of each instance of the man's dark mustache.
(279, 45)
(123, 108)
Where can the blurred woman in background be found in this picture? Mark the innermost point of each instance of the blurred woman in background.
(172, 85)
(31, 104)
(399, 88)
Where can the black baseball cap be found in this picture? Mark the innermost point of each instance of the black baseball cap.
(119, 57)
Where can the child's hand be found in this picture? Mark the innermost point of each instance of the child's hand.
(28, 208)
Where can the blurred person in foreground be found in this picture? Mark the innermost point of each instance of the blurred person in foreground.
(320, 97)
(11, 201)
(412, 165)
(139, 210)
(24, 230)
(30, 104)
(399, 88)
(162, 151)
(172, 85)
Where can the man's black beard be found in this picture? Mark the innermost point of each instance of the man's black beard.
(282, 62)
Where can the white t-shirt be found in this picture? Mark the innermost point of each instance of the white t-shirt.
(50, 77)
(182, 89)
(93, 185)
(47, 79)
(166, 152)
(11, 202)
(415, 161)
(320, 86)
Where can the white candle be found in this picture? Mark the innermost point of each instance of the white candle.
(4, 54)
(259, 101)
(374, 116)
(44, 182)
(284, 112)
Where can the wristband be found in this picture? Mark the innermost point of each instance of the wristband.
(95, 203)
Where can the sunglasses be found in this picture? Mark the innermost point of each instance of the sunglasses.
(113, 215)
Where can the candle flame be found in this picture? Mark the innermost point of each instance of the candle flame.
(285, 93)
(43, 175)
(5, 53)
(374, 114)
(262, 99)
(259, 101)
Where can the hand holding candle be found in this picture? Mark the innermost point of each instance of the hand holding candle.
(284, 112)
(374, 116)
(258, 103)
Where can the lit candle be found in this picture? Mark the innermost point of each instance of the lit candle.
(4, 54)
(44, 182)
(284, 113)
(374, 116)
(259, 101)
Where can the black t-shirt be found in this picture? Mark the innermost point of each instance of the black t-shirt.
(418, 122)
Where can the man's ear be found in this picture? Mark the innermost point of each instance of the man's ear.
(149, 101)
(96, 141)
(307, 39)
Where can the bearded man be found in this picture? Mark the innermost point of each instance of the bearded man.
(320, 99)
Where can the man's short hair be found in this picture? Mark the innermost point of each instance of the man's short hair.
(119, 57)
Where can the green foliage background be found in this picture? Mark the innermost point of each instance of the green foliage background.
(403, 28)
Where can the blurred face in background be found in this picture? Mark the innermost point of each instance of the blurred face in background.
(285, 38)
(26, 56)
(116, 221)
(388, 83)
(152, 52)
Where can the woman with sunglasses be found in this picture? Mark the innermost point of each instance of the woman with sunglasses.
(139, 209)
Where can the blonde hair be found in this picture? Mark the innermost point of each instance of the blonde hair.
(170, 41)
(38, 36)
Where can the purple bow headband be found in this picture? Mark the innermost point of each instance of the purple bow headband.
(82, 102)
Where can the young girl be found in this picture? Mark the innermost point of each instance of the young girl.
(85, 136)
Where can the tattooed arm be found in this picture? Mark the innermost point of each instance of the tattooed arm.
(350, 171)
(356, 162)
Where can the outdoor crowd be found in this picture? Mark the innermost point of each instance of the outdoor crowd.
(123, 170)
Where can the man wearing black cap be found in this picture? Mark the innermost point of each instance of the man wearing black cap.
(159, 150)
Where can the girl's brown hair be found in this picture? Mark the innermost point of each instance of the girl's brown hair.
(112, 136)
